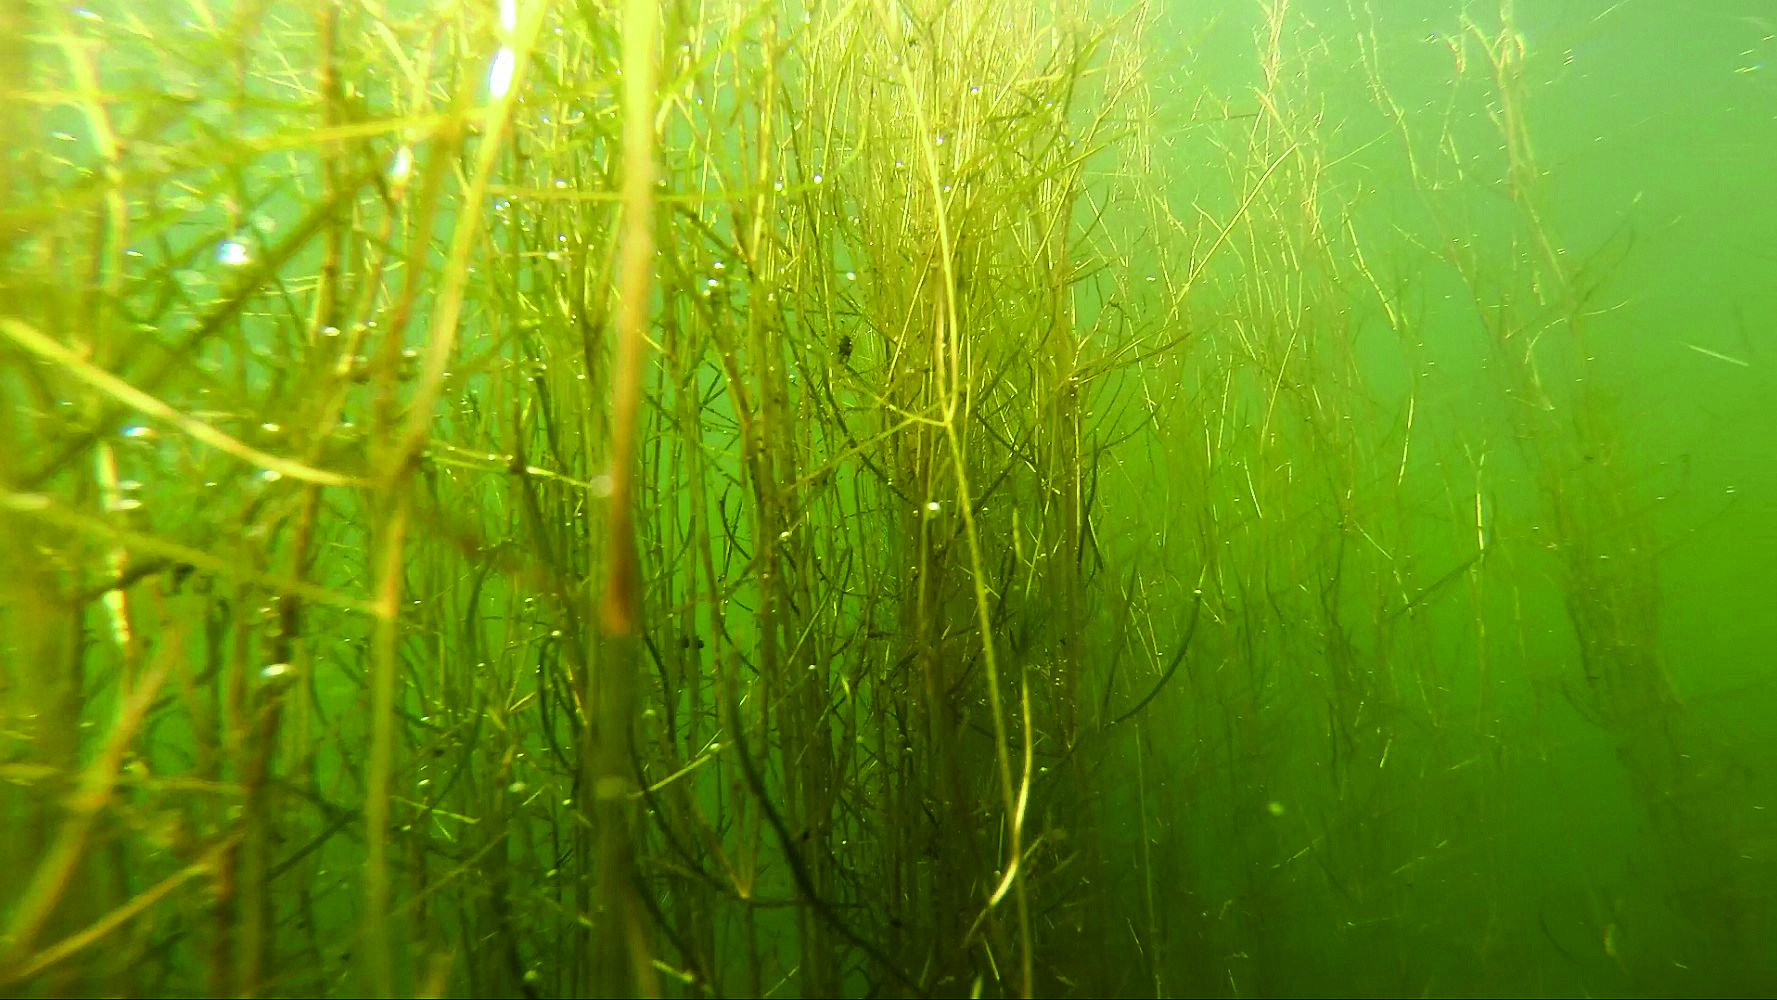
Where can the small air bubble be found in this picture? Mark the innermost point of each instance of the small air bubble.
(231, 253)
(499, 76)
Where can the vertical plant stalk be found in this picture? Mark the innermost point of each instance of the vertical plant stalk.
(620, 600)
(107, 280)
(396, 461)
(619, 919)
(954, 398)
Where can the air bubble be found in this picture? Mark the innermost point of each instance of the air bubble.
(231, 253)
(499, 76)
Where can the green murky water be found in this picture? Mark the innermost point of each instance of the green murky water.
(890, 498)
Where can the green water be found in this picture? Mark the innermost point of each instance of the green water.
(1248, 499)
